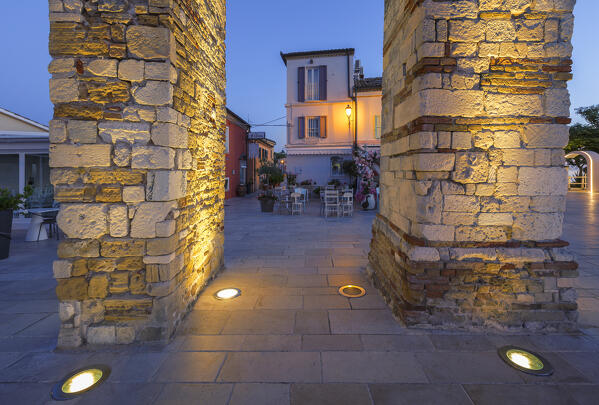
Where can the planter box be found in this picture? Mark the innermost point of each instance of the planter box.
(5, 232)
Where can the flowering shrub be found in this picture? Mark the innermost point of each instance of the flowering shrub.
(368, 179)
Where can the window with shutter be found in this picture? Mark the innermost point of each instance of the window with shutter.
(323, 127)
(323, 82)
(301, 127)
(313, 83)
(301, 84)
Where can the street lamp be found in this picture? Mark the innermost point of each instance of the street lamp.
(348, 113)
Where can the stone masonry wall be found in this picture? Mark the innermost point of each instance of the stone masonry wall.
(137, 146)
(475, 114)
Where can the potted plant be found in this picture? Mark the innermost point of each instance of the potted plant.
(241, 190)
(267, 201)
(9, 203)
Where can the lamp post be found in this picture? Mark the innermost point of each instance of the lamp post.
(348, 113)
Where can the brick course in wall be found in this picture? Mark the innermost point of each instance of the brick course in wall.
(475, 114)
(137, 146)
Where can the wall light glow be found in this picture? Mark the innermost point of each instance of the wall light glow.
(79, 382)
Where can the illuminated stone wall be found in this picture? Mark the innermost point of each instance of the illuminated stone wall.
(137, 157)
(475, 108)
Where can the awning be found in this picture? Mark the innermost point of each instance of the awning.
(319, 151)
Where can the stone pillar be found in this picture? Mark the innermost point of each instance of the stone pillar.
(475, 114)
(137, 158)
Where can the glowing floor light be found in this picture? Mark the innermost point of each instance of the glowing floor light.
(352, 291)
(525, 361)
(228, 293)
(80, 382)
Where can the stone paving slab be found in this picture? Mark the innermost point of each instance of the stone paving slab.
(290, 338)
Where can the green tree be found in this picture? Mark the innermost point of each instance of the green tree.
(584, 137)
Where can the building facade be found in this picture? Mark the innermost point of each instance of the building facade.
(260, 151)
(235, 153)
(24, 146)
(322, 88)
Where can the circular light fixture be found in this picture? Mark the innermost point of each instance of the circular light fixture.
(525, 361)
(79, 382)
(352, 291)
(227, 293)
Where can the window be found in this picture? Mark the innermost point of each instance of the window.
(227, 140)
(336, 166)
(313, 83)
(313, 127)
(226, 184)
(242, 172)
(377, 126)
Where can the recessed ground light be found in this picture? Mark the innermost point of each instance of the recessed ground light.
(525, 361)
(227, 293)
(352, 291)
(79, 382)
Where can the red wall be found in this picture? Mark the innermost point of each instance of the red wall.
(237, 149)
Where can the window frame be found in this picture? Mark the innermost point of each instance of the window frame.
(312, 90)
(227, 132)
(340, 160)
(227, 184)
(308, 129)
(378, 129)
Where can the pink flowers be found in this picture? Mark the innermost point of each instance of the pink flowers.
(366, 162)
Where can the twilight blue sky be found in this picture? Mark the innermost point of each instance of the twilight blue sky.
(256, 32)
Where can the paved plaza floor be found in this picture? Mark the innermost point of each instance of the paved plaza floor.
(290, 338)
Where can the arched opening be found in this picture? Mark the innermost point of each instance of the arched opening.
(583, 171)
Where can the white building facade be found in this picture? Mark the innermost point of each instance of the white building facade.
(321, 85)
(24, 146)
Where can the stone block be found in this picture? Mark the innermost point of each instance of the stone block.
(125, 335)
(434, 162)
(82, 131)
(466, 31)
(167, 134)
(537, 226)
(98, 286)
(103, 67)
(154, 93)
(545, 135)
(101, 335)
(161, 71)
(165, 259)
(62, 65)
(146, 42)
(80, 155)
(83, 221)
(471, 167)
(542, 181)
(166, 185)
(514, 104)
(64, 90)
(423, 254)
(146, 217)
(495, 218)
(507, 174)
(134, 194)
(500, 31)
(62, 268)
(152, 157)
(461, 140)
(74, 288)
(458, 103)
(162, 246)
(119, 248)
(131, 70)
(460, 203)
(127, 132)
(122, 154)
(118, 221)
(82, 248)
(166, 228)
(57, 131)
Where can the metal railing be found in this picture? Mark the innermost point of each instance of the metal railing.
(577, 183)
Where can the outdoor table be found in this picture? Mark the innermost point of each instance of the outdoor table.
(36, 230)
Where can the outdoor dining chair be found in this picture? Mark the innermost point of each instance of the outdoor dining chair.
(347, 204)
(331, 203)
(297, 205)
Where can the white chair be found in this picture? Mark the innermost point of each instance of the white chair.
(331, 203)
(347, 204)
(304, 194)
(297, 205)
